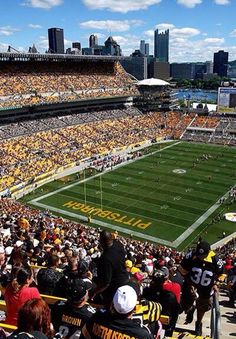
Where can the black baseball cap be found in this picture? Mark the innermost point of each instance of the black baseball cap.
(77, 290)
(203, 248)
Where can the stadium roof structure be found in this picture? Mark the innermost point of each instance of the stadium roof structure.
(9, 56)
(153, 82)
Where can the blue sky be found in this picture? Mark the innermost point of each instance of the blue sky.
(198, 28)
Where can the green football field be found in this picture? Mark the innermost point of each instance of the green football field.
(170, 196)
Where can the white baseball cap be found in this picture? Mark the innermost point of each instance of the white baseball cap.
(125, 299)
(19, 243)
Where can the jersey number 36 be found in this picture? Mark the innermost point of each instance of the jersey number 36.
(200, 277)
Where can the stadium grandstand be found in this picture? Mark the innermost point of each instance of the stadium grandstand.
(71, 128)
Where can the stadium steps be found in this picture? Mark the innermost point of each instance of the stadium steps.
(228, 321)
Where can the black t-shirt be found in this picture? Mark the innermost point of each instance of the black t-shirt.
(202, 273)
(111, 268)
(69, 320)
(104, 324)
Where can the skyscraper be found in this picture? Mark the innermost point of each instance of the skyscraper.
(56, 40)
(93, 41)
(147, 49)
(161, 45)
(221, 63)
(142, 47)
(76, 45)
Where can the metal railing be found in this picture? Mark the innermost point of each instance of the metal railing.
(215, 317)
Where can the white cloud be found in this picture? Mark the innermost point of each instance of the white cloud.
(189, 44)
(44, 4)
(111, 25)
(122, 6)
(189, 3)
(175, 32)
(184, 32)
(164, 26)
(149, 33)
(3, 47)
(34, 26)
(214, 41)
(128, 43)
(233, 33)
(222, 2)
(7, 30)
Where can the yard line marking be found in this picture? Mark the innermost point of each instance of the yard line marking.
(198, 222)
(100, 174)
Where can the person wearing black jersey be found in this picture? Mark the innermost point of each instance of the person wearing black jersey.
(111, 272)
(201, 269)
(116, 322)
(167, 299)
(68, 317)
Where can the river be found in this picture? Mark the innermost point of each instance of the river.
(197, 95)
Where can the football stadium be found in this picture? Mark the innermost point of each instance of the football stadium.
(90, 157)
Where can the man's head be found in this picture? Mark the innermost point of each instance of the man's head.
(124, 300)
(77, 291)
(202, 249)
(106, 239)
(158, 279)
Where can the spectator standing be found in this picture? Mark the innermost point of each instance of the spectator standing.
(167, 296)
(111, 268)
(201, 268)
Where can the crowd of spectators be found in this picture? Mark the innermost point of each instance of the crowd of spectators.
(29, 149)
(24, 83)
(205, 122)
(211, 129)
(92, 269)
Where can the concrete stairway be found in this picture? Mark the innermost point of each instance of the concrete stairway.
(228, 321)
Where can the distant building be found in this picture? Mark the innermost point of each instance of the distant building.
(161, 45)
(137, 53)
(182, 70)
(147, 49)
(142, 47)
(209, 67)
(221, 63)
(199, 69)
(74, 51)
(188, 70)
(33, 49)
(111, 47)
(76, 45)
(56, 40)
(136, 66)
(93, 41)
(158, 70)
(88, 51)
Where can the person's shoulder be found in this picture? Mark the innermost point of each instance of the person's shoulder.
(26, 335)
(89, 308)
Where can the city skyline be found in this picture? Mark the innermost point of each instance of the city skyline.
(197, 28)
